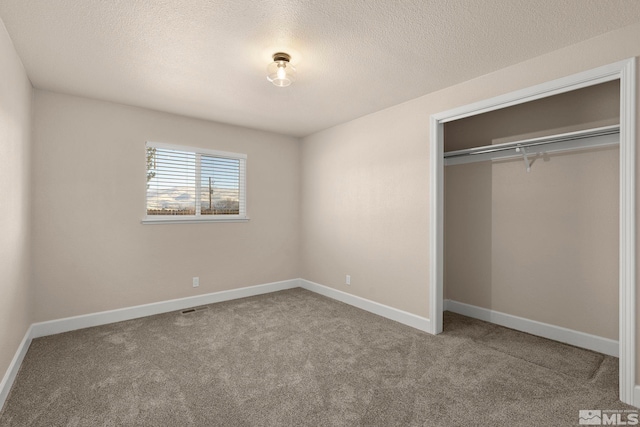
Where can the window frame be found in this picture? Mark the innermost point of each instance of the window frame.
(192, 219)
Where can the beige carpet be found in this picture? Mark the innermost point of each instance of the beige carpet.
(294, 358)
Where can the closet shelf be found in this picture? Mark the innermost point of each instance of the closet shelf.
(590, 138)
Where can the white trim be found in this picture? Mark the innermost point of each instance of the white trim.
(198, 217)
(627, 295)
(436, 224)
(14, 367)
(545, 330)
(199, 150)
(58, 326)
(623, 70)
(400, 316)
(191, 219)
(105, 317)
(67, 324)
(596, 76)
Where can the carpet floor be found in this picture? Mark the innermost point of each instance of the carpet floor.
(295, 358)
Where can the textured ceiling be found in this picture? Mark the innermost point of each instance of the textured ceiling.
(208, 58)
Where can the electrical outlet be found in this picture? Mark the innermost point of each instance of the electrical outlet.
(347, 280)
(196, 282)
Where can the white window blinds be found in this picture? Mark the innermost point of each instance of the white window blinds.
(194, 184)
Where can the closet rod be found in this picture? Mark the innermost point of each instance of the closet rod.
(564, 137)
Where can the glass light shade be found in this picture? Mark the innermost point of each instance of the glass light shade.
(280, 72)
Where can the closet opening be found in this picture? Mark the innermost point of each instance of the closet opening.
(533, 213)
(531, 209)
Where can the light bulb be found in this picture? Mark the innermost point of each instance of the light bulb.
(280, 72)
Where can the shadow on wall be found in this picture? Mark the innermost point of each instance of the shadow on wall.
(541, 245)
(467, 226)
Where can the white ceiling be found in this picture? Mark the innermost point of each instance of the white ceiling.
(208, 58)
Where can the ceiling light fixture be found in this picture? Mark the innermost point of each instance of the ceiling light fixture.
(280, 72)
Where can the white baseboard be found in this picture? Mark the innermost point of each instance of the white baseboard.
(105, 317)
(14, 367)
(556, 333)
(41, 329)
(58, 326)
(415, 321)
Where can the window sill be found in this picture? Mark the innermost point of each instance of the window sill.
(191, 219)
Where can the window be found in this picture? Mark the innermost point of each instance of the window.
(186, 184)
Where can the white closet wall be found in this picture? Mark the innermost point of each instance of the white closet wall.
(541, 245)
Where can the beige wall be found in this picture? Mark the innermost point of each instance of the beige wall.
(365, 183)
(585, 108)
(91, 253)
(364, 208)
(15, 149)
(541, 245)
(361, 208)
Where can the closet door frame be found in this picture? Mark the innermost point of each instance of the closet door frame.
(625, 71)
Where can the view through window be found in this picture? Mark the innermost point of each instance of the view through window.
(194, 182)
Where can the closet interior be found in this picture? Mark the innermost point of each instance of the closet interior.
(531, 210)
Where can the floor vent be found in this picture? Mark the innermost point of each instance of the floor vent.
(193, 310)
